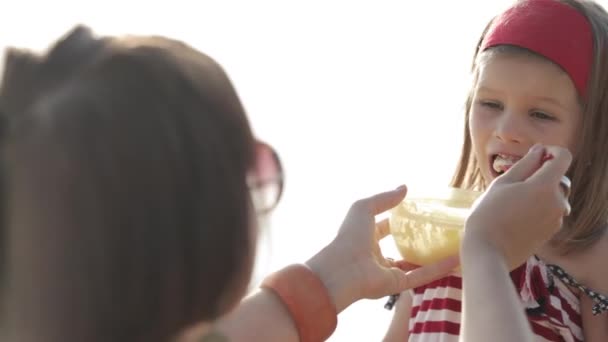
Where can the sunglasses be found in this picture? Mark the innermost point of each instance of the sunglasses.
(266, 179)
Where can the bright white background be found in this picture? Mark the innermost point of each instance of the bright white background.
(357, 96)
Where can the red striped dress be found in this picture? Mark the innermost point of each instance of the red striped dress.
(552, 308)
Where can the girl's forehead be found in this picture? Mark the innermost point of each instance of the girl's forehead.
(500, 68)
(526, 74)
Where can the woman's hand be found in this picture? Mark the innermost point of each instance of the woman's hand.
(518, 213)
(521, 209)
(352, 266)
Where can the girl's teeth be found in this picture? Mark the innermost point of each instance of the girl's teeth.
(502, 163)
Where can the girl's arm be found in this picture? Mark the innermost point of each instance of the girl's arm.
(398, 331)
(595, 328)
(588, 268)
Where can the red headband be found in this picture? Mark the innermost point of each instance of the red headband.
(551, 29)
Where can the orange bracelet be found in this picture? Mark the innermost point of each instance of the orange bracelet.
(306, 299)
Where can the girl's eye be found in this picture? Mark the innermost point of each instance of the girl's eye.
(542, 116)
(490, 104)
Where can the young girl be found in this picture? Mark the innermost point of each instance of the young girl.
(540, 76)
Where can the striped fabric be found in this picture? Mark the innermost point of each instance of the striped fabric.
(553, 310)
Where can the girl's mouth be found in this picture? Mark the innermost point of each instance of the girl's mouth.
(500, 163)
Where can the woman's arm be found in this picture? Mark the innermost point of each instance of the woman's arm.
(263, 316)
(260, 317)
(350, 268)
(491, 307)
(518, 213)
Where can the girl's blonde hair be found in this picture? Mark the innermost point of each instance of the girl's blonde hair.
(589, 170)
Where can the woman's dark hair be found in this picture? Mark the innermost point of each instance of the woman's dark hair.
(131, 218)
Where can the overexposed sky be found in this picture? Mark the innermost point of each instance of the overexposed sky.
(358, 97)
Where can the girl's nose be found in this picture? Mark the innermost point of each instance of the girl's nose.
(509, 128)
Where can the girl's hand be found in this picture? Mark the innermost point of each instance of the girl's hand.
(352, 266)
(522, 208)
